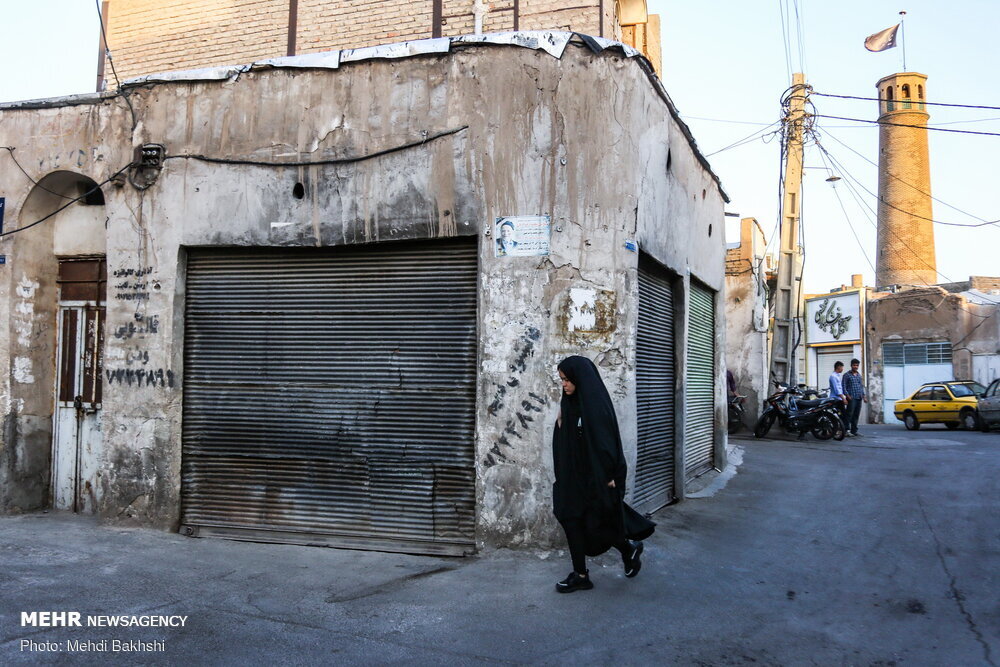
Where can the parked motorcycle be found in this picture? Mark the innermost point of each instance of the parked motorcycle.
(736, 412)
(821, 416)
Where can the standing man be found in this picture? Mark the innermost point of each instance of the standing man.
(837, 390)
(836, 382)
(855, 391)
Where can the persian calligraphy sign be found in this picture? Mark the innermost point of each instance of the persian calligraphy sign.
(833, 318)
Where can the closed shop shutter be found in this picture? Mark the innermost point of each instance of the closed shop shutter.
(329, 396)
(654, 387)
(699, 389)
(826, 357)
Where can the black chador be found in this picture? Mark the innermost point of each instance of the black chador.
(587, 455)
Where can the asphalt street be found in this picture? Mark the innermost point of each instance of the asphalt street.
(880, 550)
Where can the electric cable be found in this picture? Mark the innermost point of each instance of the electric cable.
(921, 217)
(800, 34)
(726, 120)
(10, 149)
(346, 160)
(782, 10)
(850, 224)
(875, 164)
(917, 127)
(752, 137)
(850, 178)
(67, 204)
(111, 61)
(934, 104)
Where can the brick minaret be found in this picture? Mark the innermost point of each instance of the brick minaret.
(905, 231)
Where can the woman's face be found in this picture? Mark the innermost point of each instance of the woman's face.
(567, 386)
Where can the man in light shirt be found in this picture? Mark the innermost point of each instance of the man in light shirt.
(837, 382)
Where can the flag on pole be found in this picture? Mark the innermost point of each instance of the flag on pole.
(883, 40)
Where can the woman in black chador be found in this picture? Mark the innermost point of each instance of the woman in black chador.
(590, 477)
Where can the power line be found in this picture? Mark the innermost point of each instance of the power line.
(111, 61)
(68, 204)
(850, 178)
(10, 149)
(921, 127)
(983, 222)
(726, 120)
(747, 139)
(935, 104)
(107, 47)
(920, 217)
(965, 122)
(800, 35)
(782, 10)
(849, 223)
(308, 163)
(875, 164)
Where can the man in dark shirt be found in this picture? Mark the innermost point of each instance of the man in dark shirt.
(855, 390)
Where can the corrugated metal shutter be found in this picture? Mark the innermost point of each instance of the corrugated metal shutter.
(654, 388)
(826, 357)
(699, 389)
(329, 396)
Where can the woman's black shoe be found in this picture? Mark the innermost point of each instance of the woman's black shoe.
(633, 564)
(574, 582)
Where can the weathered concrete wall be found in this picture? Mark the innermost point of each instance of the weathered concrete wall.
(480, 133)
(62, 140)
(929, 314)
(747, 317)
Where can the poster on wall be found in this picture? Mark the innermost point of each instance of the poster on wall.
(833, 318)
(522, 236)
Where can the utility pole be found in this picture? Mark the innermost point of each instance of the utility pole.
(786, 303)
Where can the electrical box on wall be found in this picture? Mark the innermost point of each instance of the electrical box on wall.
(147, 162)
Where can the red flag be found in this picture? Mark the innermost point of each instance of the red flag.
(883, 40)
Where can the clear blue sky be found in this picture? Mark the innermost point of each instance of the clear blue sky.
(726, 60)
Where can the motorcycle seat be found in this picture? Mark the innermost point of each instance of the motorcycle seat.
(808, 404)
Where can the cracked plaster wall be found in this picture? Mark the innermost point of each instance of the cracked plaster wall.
(928, 315)
(45, 141)
(583, 139)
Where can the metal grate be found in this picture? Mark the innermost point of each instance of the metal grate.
(892, 354)
(655, 385)
(899, 354)
(699, 391)
(329, 396)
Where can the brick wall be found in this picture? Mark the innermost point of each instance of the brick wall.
(151, 36)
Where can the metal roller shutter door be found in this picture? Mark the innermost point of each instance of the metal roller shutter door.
(654, 387)
(329, 396)
(826, 357)
(699, 391)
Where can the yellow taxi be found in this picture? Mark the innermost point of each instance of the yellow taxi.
(952, 403)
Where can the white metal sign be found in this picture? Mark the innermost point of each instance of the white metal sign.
(833, 318)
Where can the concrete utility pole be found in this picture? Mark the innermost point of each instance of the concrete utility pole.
(786, 302)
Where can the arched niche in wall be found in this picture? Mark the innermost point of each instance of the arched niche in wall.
(80, 227)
